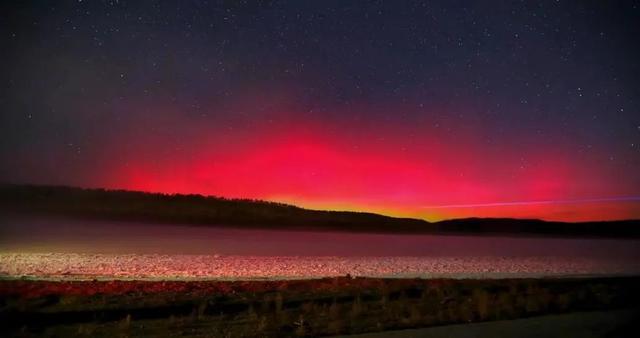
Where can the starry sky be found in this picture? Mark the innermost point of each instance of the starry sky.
(429, 109)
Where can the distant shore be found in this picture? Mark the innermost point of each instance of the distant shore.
(120, 205)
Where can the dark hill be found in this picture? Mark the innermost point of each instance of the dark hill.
(211, 211)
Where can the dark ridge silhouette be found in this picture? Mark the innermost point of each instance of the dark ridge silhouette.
(216, 211)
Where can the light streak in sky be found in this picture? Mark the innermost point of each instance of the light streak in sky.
(515, 203)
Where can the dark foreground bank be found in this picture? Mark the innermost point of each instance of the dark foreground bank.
(330, 306)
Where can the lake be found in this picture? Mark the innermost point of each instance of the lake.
(34, 246)
(61, 235)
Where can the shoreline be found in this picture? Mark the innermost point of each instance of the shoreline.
(78, 266)
(88, 278)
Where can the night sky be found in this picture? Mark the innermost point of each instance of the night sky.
(435, 110)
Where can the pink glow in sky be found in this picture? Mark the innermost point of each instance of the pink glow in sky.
(431, 177)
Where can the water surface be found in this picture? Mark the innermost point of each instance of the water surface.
(76, 236)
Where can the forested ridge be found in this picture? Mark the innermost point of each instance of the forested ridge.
(215, 211)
